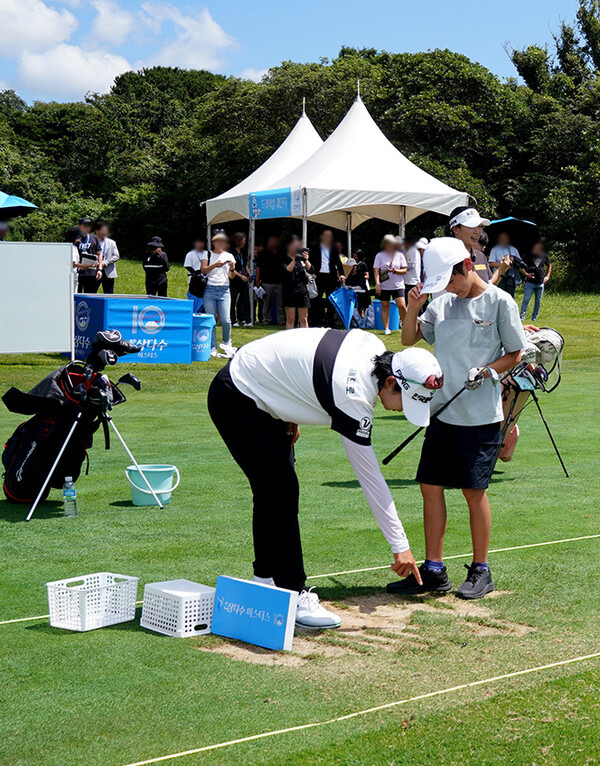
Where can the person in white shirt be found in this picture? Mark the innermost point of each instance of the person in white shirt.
(193, 264)
(502, 251)
(389, 269)
(315, 376)
(219, 265)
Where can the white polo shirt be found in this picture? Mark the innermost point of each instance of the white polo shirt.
(324, 377)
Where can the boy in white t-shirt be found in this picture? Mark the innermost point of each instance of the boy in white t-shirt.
(477, 334)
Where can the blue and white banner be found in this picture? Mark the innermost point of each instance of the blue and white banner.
(275, 203)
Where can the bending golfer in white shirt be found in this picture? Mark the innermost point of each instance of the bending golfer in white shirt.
(317, 377)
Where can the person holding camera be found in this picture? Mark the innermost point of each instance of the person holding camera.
(295, 284)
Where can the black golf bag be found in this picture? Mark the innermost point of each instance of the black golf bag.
(76, 392)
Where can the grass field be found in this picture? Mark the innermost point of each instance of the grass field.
(122, 695)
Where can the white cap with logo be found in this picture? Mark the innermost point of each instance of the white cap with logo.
(422, 243)
(419, 376)
(440, 256)
(469, 218)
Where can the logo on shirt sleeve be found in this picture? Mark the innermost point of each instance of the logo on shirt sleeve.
(364, 428)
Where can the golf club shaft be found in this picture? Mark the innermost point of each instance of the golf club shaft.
(134, 461)
(408, 440)
(547, 427)
(58, 457)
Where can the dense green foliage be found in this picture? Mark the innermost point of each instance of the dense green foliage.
(162, 140)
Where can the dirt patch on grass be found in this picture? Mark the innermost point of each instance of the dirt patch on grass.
(379, 623)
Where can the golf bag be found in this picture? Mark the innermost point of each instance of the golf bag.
(540, 368)
(77, 392)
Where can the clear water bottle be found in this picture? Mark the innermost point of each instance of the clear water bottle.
(69, 497)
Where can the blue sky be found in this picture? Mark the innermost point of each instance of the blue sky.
(60, 49)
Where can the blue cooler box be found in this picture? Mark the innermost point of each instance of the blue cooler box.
(161, 327)
(394, 316)
(201, 331)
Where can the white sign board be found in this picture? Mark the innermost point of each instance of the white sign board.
(36, 297)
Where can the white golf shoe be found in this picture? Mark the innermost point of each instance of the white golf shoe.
(228, 349)
(264, 580)
(310, 613)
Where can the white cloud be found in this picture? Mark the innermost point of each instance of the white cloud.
(33, 25)
(199, 41)
(112, 24)
(252, 73)
(67, 71)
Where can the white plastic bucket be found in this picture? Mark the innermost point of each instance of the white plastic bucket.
(161, 481)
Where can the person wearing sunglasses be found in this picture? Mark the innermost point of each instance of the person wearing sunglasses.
(315, 376)
(477, 335)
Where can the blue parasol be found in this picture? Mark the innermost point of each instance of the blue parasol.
(344, 299)
(11, 206)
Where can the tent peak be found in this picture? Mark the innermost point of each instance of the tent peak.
(358, 98)
(303, 105)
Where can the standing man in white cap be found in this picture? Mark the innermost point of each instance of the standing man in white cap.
(477, 334)
(320, 377)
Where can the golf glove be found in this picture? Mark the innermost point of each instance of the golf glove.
(477, 376)
(475, 379)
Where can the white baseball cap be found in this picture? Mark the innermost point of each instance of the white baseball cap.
(440, 256)
(422, 243)
(469, 218)
(419, 375)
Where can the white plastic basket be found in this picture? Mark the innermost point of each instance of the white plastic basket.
(178, 608)
(92, 601)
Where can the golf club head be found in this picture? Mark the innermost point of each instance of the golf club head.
(131, 380)
(112, 340)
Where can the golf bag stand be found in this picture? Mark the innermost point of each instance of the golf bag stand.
(134, 461)
(547, 427)
(56, 462)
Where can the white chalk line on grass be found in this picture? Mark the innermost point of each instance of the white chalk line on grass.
(385, 566)
(367, 711)
(459, 556)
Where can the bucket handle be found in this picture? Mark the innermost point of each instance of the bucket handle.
(147, 491)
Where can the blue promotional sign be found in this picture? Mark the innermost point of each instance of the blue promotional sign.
(275, 203)
(257, 614)
(160, 327)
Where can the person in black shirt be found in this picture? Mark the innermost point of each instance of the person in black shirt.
(358, 279)
(238, 286)
(90, 257)
(536, 270)
(269, 276)
(325, 258)
(156, 265)
(295, 284)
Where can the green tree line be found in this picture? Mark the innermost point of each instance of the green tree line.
(146, 154)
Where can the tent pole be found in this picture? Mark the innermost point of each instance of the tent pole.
(208, 236)
(349, 234)
(402, 227)
(251, 264)
(304, 220)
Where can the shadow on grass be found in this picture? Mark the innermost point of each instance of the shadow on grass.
(132, 626)
(122, 504)
(353, 483)
(14, 512)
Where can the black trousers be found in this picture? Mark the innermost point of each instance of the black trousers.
(240, 301)
(160, 290)
(261, 448)
(88, 285)
(108, 284)
(322, 309)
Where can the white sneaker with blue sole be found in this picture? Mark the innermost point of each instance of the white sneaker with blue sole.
(310, 613)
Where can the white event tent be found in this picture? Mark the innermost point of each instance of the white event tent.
(359, 174)
(233, 204)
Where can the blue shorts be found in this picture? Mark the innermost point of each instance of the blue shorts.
(462, 457)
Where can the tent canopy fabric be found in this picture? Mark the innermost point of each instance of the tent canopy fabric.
(358, 171)
(233, 204)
